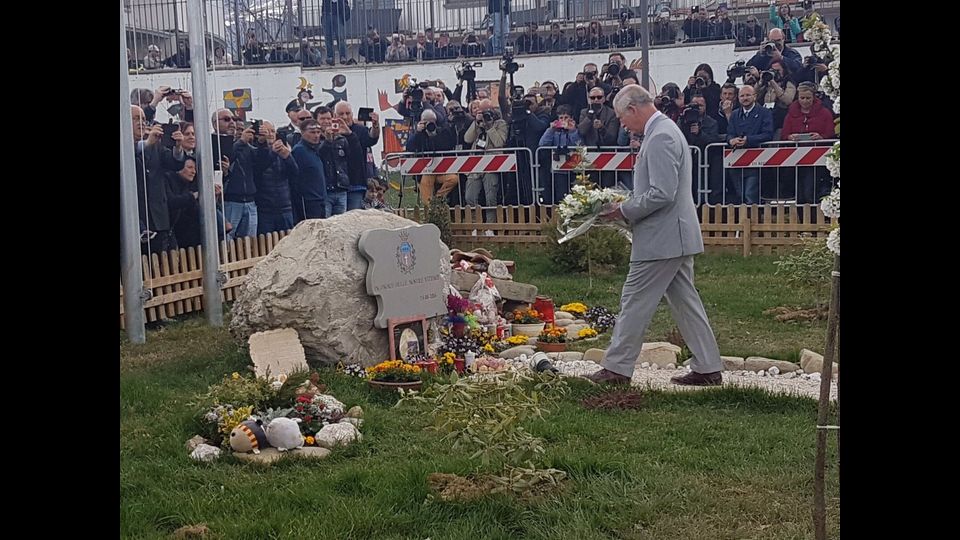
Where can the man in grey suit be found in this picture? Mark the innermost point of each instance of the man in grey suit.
(666, 236)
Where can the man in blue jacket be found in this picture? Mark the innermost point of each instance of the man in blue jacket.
(311, 186)
(775, 48)
(274, 170)
(749, 127)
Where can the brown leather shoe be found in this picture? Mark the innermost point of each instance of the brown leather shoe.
(605, 376)
(698, 379)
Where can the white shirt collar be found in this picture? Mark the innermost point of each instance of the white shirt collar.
(646, 127)
(750, 110)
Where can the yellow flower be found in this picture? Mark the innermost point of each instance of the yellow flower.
(488, 348)
(309, 440)
(587, 333)
(234, 375)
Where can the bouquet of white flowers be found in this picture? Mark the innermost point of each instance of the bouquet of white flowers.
(581, 208)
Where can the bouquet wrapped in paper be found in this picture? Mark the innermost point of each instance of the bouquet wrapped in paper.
(582, 208)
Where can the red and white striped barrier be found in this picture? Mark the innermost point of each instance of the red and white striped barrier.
(775, 157)
(598, 161)
(489, 163)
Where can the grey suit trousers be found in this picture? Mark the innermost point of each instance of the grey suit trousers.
(647, 282)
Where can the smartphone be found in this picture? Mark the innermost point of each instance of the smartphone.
(363, 114)
(804, 136)
(169, 129)
(256, 127)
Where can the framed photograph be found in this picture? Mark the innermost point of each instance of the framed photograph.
(407, 337)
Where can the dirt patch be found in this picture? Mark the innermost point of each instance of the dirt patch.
(616, 400)
(450, 487)
(192, 531)
(795, 313)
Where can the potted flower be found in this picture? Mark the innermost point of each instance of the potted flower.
(394, 374)
(553, 339)
(456, 308)
(526, 322)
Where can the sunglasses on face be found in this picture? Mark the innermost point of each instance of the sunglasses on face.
(596, 97)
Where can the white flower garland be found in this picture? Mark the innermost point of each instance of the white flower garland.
(819, 35)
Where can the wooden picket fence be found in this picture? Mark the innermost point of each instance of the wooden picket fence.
(175, 278)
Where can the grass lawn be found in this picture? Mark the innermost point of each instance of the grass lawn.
(716, 464)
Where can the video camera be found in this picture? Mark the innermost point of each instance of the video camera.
(466, 71)
(507, 64)
(690, 115)
(737, 69)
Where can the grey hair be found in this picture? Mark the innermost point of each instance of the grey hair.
(428, 115)
(808, 86)
(631, 94)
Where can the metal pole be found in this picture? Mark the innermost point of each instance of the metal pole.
(236, 23)
(132, 272)
(645, 44)
(212, 304)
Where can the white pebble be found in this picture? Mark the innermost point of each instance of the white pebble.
(654, 366)
(671, 366)
(774, 370)
(645, 365)
(761, 373)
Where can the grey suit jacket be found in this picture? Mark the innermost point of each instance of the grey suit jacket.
(661, 210)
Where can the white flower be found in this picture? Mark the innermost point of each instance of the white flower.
(836, 104)
(833, 160)
(830, 205)
(833, 241)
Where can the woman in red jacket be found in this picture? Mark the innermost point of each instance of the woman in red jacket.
(808, 119)
(807, 115)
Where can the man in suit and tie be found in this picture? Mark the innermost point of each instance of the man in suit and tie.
(748, 127)
(666, 236)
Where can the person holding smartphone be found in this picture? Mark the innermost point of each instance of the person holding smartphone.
(808, 120)
(361, 163)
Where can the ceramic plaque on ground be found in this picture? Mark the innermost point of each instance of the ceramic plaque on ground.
(404, 272)
(278, 351)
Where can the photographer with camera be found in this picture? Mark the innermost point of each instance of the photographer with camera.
(239, 188)
(488, 132)
(702, 82)
(563, 135)
(776, 49)
(625, 36)
(813, 69)
(426, 138)
(309, 192)
(361, 157)
(338, 144)
(576, 94)
(749, 127)
(696, 26)
(614, 71)
(700, 130)
(776, 92)
(598, 124)
(397, 51)
(274, 171)
(471, 46)
(670, 101)
(290, 133)
(373, 48)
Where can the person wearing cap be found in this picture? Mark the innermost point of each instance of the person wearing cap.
(397, 52)
(662, 31)
(530, 42)
(290, 133)
(749, 33)
(153, 60)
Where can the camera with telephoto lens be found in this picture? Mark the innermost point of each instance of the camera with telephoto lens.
(613, 69)
(507, 64)
(487, 116)
(768, 49)
(431, 128)
(700, 82)
(769, 75)
(664, 103)
(737, 69)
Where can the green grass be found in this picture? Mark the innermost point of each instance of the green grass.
(716, 464)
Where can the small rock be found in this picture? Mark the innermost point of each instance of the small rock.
(573, 330)
(514, 352)
(732, 363)
(355, 412)
(563, 322)
(311, 452)
(194, 442)
(357, 422)
(654, 366)
(558, 315)
(815, 377)
(761, 373)
(807, 356)
(333, 435)
(271, 455)
(774, 370)
(660, 353)
(670, 366)
(191, 531)
(789, 375)
(205, 452)
(594, 355)
(758, 363)
(645, 365)
(570, 356)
